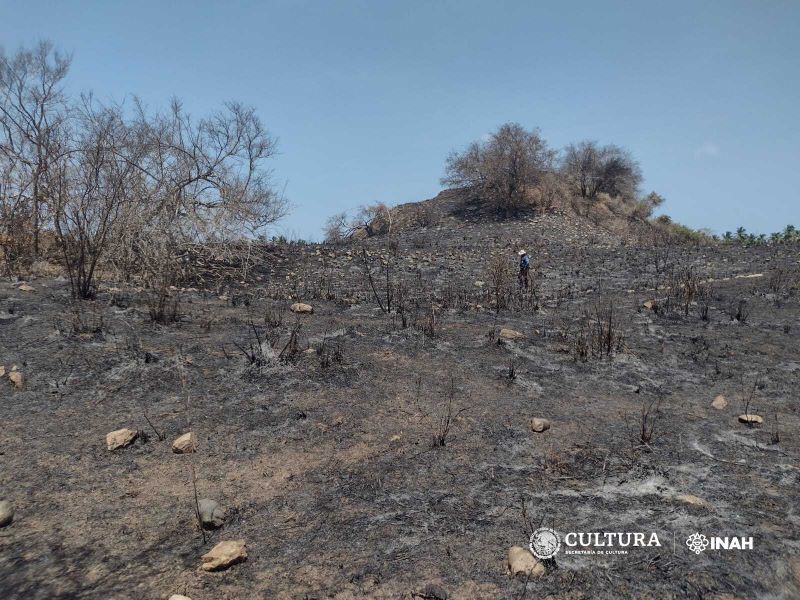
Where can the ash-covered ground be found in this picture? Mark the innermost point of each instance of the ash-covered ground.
(381, 447)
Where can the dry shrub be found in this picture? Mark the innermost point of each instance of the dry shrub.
(598, 334)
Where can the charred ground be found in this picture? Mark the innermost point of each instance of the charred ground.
(382, 444)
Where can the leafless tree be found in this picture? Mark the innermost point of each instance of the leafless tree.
(337, 228)
(592, 169)
(502, 170)
(93, 187)
(33, 110)
(202, 182)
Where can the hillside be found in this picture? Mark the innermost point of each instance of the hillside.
(383, 445)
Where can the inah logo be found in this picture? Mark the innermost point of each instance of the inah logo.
(697, 542)
(545, 543)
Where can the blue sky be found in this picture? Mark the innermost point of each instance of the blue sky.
(367, 98)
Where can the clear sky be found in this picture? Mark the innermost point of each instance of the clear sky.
(367, 98)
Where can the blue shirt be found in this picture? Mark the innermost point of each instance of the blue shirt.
(524, 262)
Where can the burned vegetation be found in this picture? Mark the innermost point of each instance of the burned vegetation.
(388, 414)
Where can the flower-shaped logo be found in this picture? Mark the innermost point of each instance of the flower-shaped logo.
(697, 542)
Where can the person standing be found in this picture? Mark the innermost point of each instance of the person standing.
(524, 268)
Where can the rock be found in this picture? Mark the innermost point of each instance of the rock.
(15, 377)
(179, 597)
(300, 308)
(120, 438)
(522, 561)
(510, 334)
(6, 513)
(539, 425)
(2, 371)
(224, 555)
(719, 402)
(692, 500)
(212, 515)
(650, 305)
(185, 444)
(433, 591)
(26, 288)
(751, 419)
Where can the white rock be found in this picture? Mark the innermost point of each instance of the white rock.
(6, 513)
(212, 514)
(185, 444)
(301, 308)
(520, 560)
(179, 597)
(751, 419)
(719, 402)
(692, 500)
(120, 438)
(510, 334)
(15, 377)
(539, 425)
(223, 555)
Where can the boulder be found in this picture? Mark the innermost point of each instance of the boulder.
(539, 425)
(6, 513)
(751, 419)
(719, 402)
(179, 597)
(212, 515)
(120, 438)
(510, 334)
(25, 288)
(185, 444)
(301, 308)
(522, 561)
(650, 305)
(224, 555)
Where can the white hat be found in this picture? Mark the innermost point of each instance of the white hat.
(522, 253)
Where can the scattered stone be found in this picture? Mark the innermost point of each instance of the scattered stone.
(120, 438)
(650, 305)
(719, 402)
(692, 500)
(224, 555)
(185, 444)
(6, 513)
(522, 561)
(26, 288)
(539, 425)
(212, 515)
(510, 334)
(433, 592)
(751, 419)
(15, 377)
(300, 308)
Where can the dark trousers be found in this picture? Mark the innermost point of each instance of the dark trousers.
(523, 277)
